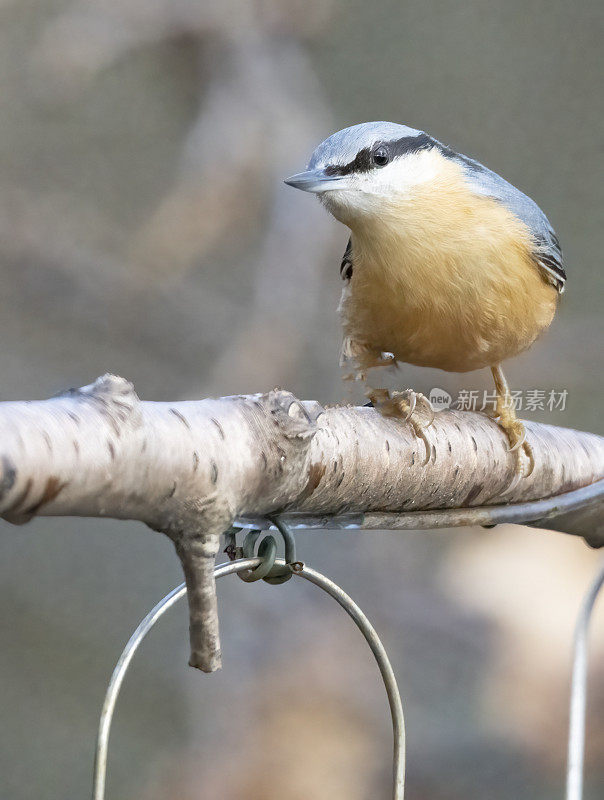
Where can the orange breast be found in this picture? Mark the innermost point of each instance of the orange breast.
(445, 279)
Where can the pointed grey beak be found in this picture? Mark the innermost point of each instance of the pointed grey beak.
(313, 180)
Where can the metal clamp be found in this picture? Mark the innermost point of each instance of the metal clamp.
(268, 570)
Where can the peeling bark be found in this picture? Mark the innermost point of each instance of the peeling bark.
(189, 469)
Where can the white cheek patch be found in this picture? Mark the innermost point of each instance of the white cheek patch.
(364, 193)
(402, 174)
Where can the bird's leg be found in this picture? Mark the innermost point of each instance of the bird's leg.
(359, 358)
(409, 406)
(513, 427)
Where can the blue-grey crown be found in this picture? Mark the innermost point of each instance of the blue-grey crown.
(343, 146)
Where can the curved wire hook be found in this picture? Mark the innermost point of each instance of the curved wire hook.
(328, 586)
(578, 693)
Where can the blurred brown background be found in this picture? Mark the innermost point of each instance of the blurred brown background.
(145, 230)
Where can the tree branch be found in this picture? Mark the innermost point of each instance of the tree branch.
(189, 469)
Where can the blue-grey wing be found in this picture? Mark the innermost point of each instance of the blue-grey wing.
(547, 252)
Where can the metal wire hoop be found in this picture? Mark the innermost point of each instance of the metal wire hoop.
(578, 692)
(229, 568)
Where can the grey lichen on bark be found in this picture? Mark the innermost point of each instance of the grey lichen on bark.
(190, 469)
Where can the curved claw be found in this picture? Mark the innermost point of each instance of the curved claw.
(428, 446)
(404, 406)
(531, 459)
(412, 403)
(432, 414)
(514, 482)
(520, 442)
(520, 473)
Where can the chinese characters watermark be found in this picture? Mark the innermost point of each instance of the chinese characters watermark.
(485, 400)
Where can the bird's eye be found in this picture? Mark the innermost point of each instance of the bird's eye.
(380, 156)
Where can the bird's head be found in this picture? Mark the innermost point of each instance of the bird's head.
(359, 172)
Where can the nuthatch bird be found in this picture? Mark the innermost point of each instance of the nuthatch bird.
(448, 265)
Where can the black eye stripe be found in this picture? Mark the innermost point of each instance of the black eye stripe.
(360, 163)
(363, 162)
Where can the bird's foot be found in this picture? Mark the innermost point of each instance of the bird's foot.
(523, 452)
(513, 428)
(409, 406)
